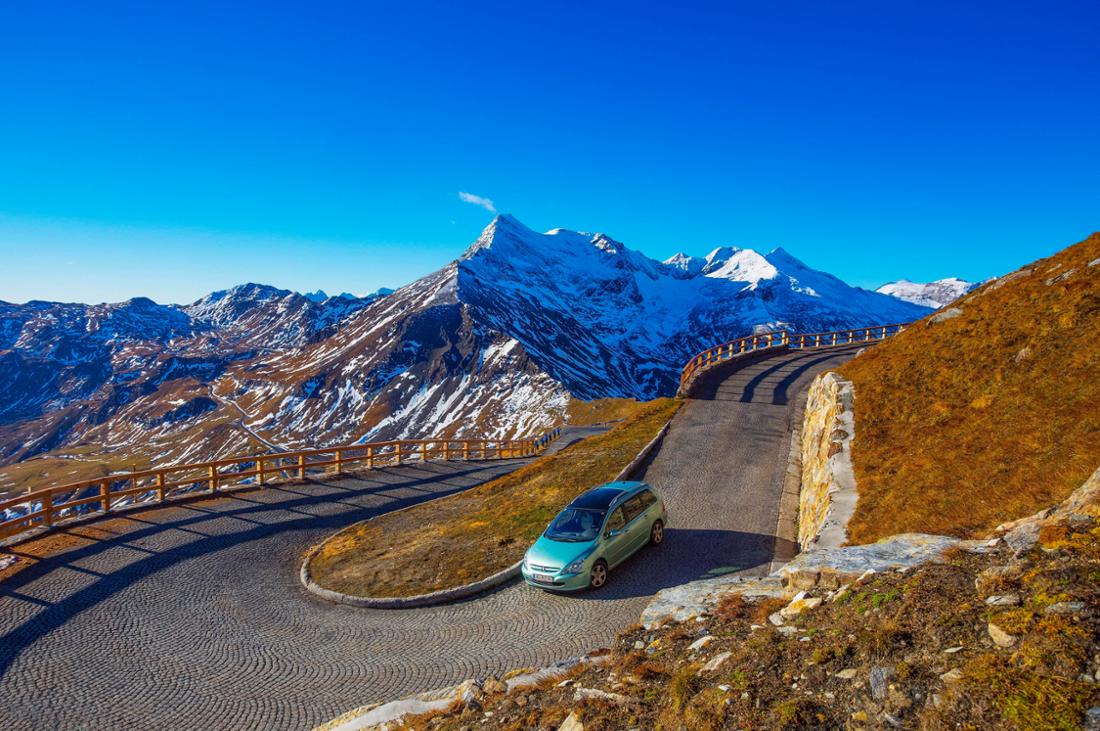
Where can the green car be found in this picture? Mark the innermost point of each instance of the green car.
(596, 532)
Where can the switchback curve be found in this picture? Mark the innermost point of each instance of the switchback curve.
(192, 616)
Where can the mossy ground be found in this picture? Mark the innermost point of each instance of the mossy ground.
(911, 629)
(474, 534)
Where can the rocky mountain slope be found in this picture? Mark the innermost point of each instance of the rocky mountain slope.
(495, 343)
(935, 294)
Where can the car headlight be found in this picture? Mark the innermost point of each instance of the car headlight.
(577, 566)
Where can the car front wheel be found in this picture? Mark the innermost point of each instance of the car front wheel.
(598, 576)
(657, 533)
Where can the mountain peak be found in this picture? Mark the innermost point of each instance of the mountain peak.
(685, 264)
(738, 265)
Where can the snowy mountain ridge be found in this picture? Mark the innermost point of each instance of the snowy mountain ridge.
(495, 343)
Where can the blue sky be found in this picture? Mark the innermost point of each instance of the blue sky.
(169, 150)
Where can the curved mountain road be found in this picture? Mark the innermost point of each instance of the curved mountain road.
(192, 616)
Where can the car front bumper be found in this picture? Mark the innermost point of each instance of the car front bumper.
(561, 582)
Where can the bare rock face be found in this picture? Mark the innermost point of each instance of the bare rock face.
(1000, 637)
(828, 494)
(571, 723)
(694, 599)
(832, 567)
(949, 314)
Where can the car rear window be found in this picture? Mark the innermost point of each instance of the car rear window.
(648, 498)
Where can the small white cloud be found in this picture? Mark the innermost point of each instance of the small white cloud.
(477, 200)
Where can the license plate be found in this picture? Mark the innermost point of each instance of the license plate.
(543, 578)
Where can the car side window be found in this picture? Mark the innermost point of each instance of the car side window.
(648, 498)
(616, 521)
(633, 508)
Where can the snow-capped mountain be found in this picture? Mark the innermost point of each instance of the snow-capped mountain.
(495, 343)
(320, 295)
(607, 321)
(931, 294)
(271, 318)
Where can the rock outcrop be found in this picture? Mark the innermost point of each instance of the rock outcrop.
(828, 494)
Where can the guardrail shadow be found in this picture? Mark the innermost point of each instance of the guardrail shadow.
(715, 383)
(241, 508)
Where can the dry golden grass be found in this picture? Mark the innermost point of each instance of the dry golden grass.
(600, 411)
(990, 416)
(476, 533)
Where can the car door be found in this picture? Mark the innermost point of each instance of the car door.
(616, 538)
(636, 527)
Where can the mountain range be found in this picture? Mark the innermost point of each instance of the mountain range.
(496, 343)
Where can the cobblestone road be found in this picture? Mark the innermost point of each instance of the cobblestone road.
(192, 617)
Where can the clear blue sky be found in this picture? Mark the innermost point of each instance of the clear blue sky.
(169, 149)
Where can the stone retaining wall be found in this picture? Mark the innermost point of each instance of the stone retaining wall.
(828, 495)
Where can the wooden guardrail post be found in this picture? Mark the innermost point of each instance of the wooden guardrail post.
(47, 509)
(105, 495)
(260, 471)
(213, 478)
(370, 458)
(399, 452)
(423, 451)
(339, 461)
(466, 449)
(301, 467)
(160, 487)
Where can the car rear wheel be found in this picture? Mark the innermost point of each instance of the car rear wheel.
(598, 576)
(657, 533)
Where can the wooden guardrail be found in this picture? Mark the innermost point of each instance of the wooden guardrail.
(783, 339)
(93, 498)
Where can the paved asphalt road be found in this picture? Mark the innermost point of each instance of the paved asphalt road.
(193, 616)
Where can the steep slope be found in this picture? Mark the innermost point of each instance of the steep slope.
(987, 411)
(931, 294)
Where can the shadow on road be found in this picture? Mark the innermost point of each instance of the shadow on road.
(686, 555)
(241, 509)
(716, 383)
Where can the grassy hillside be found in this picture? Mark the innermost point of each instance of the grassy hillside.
(989, 415)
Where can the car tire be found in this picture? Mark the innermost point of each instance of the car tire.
(657, 533)
(597, 577)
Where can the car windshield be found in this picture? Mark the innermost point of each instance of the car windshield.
(576, 525)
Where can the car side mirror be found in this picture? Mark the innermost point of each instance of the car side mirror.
(612, 533)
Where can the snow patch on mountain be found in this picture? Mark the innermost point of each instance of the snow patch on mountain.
(928, 294)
